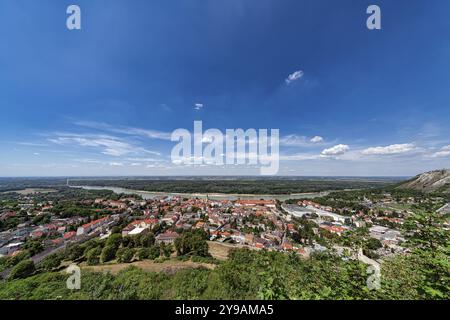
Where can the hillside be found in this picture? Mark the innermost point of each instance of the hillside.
(437, 180)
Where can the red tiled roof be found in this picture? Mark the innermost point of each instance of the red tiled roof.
(69, 234)
(255, 202)
(87, 225)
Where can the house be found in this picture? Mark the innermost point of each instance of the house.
(140, 225)
(252, 203)
(333, 229)
(238, 237)
(377, 231)
(88, 227)
(359, 223)
(11, 248)
(199, 225)
(167, 237)
(117, 204)
(137, 230)
(170, 218)
(69, 235)
(249, 238)
(36, 234)
(56, 242)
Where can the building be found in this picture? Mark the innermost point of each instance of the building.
(138, 226)
(69, 235)
(11, 248)
(167, 237)
(88, 227)
(253, 203)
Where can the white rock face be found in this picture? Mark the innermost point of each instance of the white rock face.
(438, 180)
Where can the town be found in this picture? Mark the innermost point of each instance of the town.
(52, 220)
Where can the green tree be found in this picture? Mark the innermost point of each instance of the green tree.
(125, 254)
(108, 253)
(74, 252)
(93, 256)
(373, 244)
(166, 249)
(114, 240)
(425, 230)
(147, 240)
(192, 243)
(143, 253)
(51, 262)
(22, 270)
(33, 246)
(154, 252)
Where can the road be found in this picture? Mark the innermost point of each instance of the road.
(42, 255)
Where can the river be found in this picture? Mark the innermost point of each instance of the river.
(148, 195)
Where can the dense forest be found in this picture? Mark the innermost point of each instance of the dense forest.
(14, 184)
(242, 186)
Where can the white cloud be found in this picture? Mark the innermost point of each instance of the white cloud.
(294, 76)
(337, 150)
(293, 140)
(316, 139)
(143, 159)
(108, 145)
(32, 144)
(389, 150)
(444, 152)
(198, 106)
(148, 133)
(116, 164)
(93, 161)
(299, 157)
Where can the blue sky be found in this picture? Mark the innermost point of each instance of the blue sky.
(103, 100)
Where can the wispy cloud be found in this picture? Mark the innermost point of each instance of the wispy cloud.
(165, 107)
(148, 133)
(116, 164)
(294, 76)
(32, 144)
(107, 144)
(138, 159)
(294, 140)
(198, 106)
(444, 152)
(300, 157)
